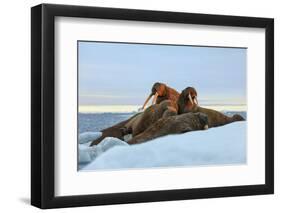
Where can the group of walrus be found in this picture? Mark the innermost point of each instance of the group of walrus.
(171, 112)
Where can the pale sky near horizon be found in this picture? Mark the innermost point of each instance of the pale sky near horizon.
(123, 74)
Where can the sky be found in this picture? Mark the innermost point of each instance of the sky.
(123, 73)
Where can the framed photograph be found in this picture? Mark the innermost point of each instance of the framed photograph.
(139, 106)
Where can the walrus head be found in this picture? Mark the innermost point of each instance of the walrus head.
(203, 120)
(158, 89)
(237, 117)
(187, 100)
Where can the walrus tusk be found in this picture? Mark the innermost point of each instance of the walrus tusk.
(155, 98)
(148, 98)
(189, 97)
(195, 100)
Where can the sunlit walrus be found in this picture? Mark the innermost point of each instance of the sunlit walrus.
(151, 114)
(139, 122)
(161, 92)
(172, 125)
(113, 131)
(187, 102)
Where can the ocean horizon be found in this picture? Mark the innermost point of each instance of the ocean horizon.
(135, 108)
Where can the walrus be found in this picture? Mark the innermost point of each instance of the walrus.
(139, 122)
(113, 131)
(161, 92)
(149, 116)
(172, 125)
(187, 103)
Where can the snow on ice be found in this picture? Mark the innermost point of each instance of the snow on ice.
(215, 146)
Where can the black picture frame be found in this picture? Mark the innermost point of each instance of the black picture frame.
(43, 102)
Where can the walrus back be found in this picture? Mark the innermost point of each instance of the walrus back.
(172, 125)
(150, 116)
(113, 131)
(217, 118)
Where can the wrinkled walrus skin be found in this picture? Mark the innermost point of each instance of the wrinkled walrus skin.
(164, 94)
(113, 131)
(139, 122)
(161, 92)
(172, 125)
(150, 116)
(215, 118)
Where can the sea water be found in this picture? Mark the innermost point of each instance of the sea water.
(95, 122)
